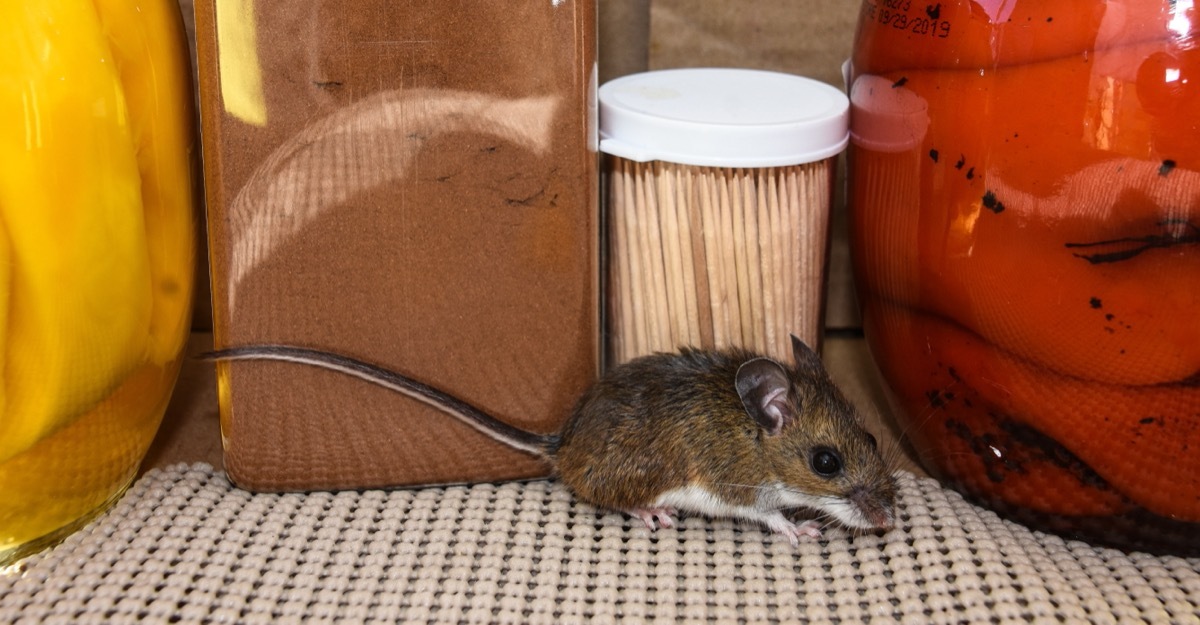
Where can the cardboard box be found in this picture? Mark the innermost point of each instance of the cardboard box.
(412, 184)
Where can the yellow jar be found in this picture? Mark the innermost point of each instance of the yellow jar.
(97, 239)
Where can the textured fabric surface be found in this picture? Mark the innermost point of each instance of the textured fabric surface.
(185, 546)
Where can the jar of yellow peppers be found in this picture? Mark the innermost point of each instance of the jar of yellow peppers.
(97, 174)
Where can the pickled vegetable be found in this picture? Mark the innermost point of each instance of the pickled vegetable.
(97, 235)
(1025, 191)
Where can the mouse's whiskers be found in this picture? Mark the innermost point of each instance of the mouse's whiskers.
(927, 413)
(758, 487)
(891, 450)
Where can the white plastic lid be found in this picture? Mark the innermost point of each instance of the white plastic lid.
(722, 118)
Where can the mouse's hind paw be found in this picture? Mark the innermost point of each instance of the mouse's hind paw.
(663, 515)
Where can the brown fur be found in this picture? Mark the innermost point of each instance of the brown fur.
(667, 421)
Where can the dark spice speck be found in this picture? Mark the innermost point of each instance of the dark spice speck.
(991, 203)
(935, 398)
(1166, 167)
(1095, 302)
(900, 83)
(934, 155)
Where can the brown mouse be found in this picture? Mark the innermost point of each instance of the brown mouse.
(725, 433)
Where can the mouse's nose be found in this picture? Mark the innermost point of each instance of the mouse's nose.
(879, 512)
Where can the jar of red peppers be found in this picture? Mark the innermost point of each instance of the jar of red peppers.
(1025, 207)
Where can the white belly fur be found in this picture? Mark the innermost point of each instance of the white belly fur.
(766, 509)
(697, 499)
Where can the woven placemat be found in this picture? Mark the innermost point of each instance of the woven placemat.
(184, 545)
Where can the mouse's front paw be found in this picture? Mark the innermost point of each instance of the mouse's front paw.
(794, 532)
(664, 516)
(810, 528)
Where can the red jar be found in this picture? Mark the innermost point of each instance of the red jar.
(1025, 197)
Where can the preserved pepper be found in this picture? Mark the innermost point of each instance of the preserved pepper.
(97, 239)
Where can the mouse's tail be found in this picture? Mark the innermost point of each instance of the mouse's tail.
(536, 444)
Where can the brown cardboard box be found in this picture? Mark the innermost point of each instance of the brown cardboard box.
(413, 184)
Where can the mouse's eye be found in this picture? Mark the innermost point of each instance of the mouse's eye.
(826, 462)
(872, 441)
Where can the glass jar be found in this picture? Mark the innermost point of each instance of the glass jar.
(419, 192)
(1025, 207)
(97, 238)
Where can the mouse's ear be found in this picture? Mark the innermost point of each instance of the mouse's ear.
(807, 361)
(763, 385)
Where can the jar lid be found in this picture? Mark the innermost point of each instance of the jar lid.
(722, 118)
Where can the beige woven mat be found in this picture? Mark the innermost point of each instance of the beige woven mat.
(185, 546)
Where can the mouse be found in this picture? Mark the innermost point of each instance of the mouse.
(717, 432)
